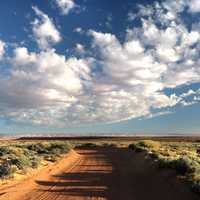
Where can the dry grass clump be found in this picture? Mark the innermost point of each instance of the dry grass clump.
(145, 145)
(18, 157)
(182, 157)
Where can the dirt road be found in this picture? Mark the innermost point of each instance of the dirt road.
(101, 173)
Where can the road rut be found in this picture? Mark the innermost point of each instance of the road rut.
(102, 173)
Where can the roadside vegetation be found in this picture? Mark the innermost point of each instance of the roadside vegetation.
(18, 157)
(180, 156)
(95, 144)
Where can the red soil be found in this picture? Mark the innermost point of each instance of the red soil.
(100, 173)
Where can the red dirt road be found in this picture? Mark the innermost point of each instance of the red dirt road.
(100, 173)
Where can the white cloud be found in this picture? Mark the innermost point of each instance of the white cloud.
(194, 6)
(2, 49)
(78, 30)
(167, 54)
(188, 103)
(152, 59)
(134, 47)
(65, 5)
(42, 86)
(152, 115)
(131, 83)
(196, 98)
(45, 32)
(80, 48)
(192, 97)
(188, 93)
(123, 80)
(190, 38)
(131, 16)
(50, 69)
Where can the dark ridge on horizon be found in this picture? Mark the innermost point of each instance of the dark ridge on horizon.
(126, 138)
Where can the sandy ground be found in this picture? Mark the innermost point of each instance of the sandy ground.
(100, 173)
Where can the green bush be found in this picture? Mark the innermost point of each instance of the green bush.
(196, 186)
(39, 148)
(180, 156)
(183, 166)
(51, 158)
(29, 155)
(136, 147)
(49, 147)
(35, 161)
(149, 144)
(5, 150)
(88, 144)
(154, 155)
(145, 145)
(58, 147)
(164, 163)
(6, 169)
(109, 145)
(21, 162)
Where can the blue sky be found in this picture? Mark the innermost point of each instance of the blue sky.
(99, 67)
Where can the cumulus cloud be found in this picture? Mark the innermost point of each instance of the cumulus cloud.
(65, 5)
(2, 49)
(190, 97)
(194, 6)
(152, 115)
(123, 80)
(42, 82)
(44, 31)
(130, 84)
(80, 48)
(188, 93)
(78, 30)
(153, 57)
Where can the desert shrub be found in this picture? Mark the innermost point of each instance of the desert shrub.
(198, 151)
(196, 178)
(165, 153)
(6, 169)
(145, 145)
(49, 147)
(109, 145)
(21, 162)
(132, 146)
(5, 150)
(49, 150)
(150, 144)
(51, 158)
(16, 151)
(57, 151)
(59, 147)
(180, 156)
(136, 147)
(183, 166)
(164, 163)
(196, 186)
(154, 155)
(88, 144)
(40, 148)
(29, 155)
(35, 161)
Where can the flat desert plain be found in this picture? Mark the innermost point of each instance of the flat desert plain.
(100, 172)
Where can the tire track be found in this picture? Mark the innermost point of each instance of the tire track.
(105, 173)
(46, 195)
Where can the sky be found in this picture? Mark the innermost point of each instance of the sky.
(99, 67)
